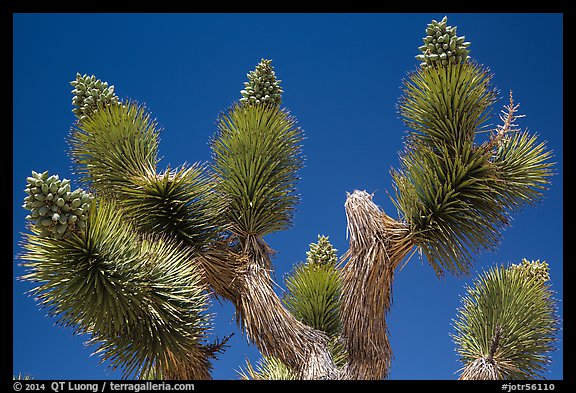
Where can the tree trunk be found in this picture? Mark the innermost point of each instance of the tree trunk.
(377, 245)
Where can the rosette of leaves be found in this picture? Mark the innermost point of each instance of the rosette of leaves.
(457, 193)
(89, 94)
(262, 86)
(314, 288)
(442, 45)
(134, 294)
(55, 210)
(268, 368)
(507, 324)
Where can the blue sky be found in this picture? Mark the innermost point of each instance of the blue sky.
(341, 74)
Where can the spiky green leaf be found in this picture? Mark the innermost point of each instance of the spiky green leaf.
(115, 145)
(139, 297)
(256, 155)
(506, 325)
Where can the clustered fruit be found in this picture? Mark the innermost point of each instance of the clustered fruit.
(262, 85)
(55, 210)
(89, 93)
(539, 271)
(442, 46)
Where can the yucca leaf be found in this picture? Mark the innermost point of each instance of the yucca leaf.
(256, 155)
(506, 324)
(138, 296)
(313, 297)
(268, 368)
(524, 167)
(447, 105)
(456, 194)
(449, 202)
(114, 145)
(180, 203)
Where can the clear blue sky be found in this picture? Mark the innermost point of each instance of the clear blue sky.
(341, 74)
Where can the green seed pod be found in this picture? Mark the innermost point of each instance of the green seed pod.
(441, 39)
(45, 233)
(37, 204)
(54, 208)
(63, 219)
(67, 196)
(38, 183)
(35, 213)
(42, 211)
(72, 218)
(55, 217)
(453, 43)
(85, 198)
(444, 62)
(50, 196)
(85, 206)
(60, 202)
(81, 224)
(78, 211)
(40, 197)
(54, 188)
(46, 222)
(445, 46)
(31, 180)
(45, 188)
(61, 191)
(66, 208)
(58, 236)
(75, 202)
(420, 57)
(44, 175)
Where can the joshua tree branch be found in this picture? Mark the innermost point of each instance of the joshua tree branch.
(377, 246)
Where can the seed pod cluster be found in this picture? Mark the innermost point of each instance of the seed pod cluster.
(442, 46)
(262, 85)
(533, 269)
(89, 93)
(55, 210)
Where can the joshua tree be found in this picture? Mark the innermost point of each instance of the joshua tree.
(507, 323)
(134, 259)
